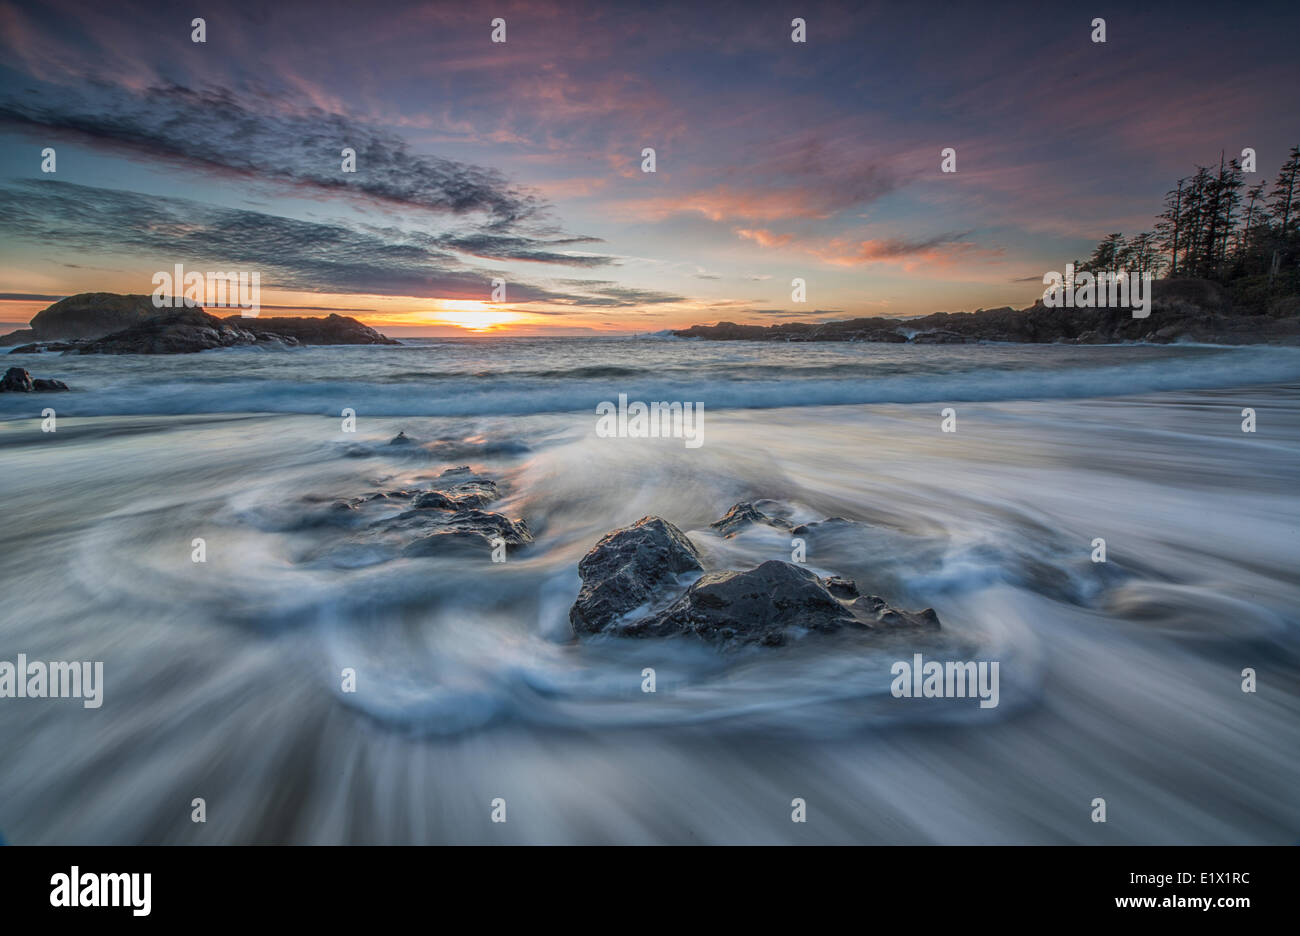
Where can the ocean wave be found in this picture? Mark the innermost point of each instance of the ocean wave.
(211, 384)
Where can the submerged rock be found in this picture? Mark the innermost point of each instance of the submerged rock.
(626, 569)
(742, 516)
(440, 531)
(445, 518)
(882, 614)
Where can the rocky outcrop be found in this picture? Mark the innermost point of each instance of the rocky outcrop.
(1181, 309)
(176, 331)
(630, 588)
(90, 315)
(108, 323)
(333, 329)
(627, 568)
(18, 380)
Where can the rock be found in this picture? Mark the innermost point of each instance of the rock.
(626, 568)
(939, 337)
(804, 529)
(742, 516)
(177, 331)
(91, 315)
(758, 606)
(1183, 309)
(333, 329)
(42, 347)
(443, 520)
(18, 380)
(841, 587)
(443, 531)
(769, 604)
(882, 614)
(432, 500)
(474, 493)
(629, 580)
(400, 439)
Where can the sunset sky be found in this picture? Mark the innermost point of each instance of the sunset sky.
(522, 159)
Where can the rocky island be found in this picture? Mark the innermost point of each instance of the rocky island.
(108, 323)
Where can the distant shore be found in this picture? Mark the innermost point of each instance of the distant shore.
(1181, 310)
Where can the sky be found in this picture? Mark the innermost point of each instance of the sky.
(522, 160)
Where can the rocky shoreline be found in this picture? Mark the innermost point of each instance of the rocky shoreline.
(1181, 310)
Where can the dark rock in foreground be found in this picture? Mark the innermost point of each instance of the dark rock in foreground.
(770, 603)
(635, 568)
(18, 380)
(758, 606)
(626, 569)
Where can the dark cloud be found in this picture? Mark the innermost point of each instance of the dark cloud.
(214, 131)
(608, 293)
(506, 247)
(289, 253)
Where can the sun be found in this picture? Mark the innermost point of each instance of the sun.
(472, 315)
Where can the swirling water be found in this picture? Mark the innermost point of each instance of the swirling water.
(222, 679)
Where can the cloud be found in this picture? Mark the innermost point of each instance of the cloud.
(214, 131)
(764, 237)
(290, 253)
(608, 293)
(935, 251)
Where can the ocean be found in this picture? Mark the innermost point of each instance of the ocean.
(222, 679)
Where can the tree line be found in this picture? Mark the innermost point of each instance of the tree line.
(1216, 227)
